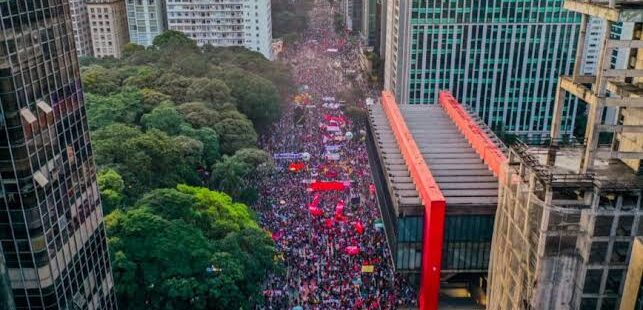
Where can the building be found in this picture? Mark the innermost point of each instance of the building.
(80, 22)
(52, 234)
(502, 57)
(632, 298)
(108, 24)
(146, 19)
(434, 170)
(570, 210)
(224, 23)
(370, 22)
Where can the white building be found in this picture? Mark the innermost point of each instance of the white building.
(245, 23)
(80, 24)
(146, 20)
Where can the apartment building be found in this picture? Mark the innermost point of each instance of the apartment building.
(80, 23)
(108, 24)
(146, 19)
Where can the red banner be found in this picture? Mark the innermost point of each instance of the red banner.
(321, 186)
(296, 166)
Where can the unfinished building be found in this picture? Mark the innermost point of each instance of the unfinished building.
(570, 209)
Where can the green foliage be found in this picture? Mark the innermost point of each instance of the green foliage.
(290, 18)
(213, 91)
(111, 187)
(208, 138)
(165, 118)
(174, 85)
(235, 134)
(232, 174)
(171, 39)
(100, 80)
(256, 97)
(188, 248)
(123, 107)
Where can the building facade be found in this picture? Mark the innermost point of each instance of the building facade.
(224, 23)
(52, 234)
(503, 56)
(108, 24)
(80, 22)
(146, 19)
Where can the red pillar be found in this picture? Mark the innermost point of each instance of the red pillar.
(433, 237)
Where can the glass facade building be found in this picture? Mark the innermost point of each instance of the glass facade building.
(502, 58)
(52, 235)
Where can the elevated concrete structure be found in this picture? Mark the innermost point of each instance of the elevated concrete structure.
(436, 173)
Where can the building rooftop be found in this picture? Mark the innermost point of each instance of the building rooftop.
(465, 180)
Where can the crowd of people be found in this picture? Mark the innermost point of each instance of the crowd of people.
(321, 206)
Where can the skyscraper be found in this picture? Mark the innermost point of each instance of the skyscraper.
(108, 22)
(80, 23)
(52, 234)
(503, 57)
(146, 19)
(224, 23)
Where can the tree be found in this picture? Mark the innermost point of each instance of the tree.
(230, 176)
(210, 140)
(171, 39)
(142, 77)
(165, 118)
(258, 160)
(199, 114)
(123, 107)
(151, 98)
(154, 258)
(174, 85)
(99, 80)
(169, 204)
(111, 187)
(256, 97)
(213, 91)
(235, 134)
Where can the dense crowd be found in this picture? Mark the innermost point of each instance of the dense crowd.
(337, 258)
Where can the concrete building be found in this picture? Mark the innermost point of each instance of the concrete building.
(224, 23)
(433, 167)
(80, 22)
(569, 210)
(146, 19)
(502, 57)
(370, 25)
(108, 22)
(632, 298)
(52, 235)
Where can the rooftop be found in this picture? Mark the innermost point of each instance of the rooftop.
(465, 180)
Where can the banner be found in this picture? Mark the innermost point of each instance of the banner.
(319, 186)
(332, 148)
(332, 156)
(290, 156)
(368, 268)
(296, 167)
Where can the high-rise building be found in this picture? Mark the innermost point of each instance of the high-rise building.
(80, 22)
(146, 19)
(569, 212)
(369, 27)
(52, 234)
(108, 24)
(502, 57)
(224, 23)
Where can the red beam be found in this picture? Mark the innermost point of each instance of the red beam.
(434, 204)
(479, 140)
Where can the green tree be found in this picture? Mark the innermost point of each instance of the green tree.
(165, 118)
(199, 114)
(123, 107)
(151, 98)
(213, 91)
(235, 134)
(99, 80)
(210, 140)
(174, 85)
(256, 97)
(171, 39)
(111, 186)
(142, 77)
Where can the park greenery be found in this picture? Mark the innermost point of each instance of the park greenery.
(174, 132)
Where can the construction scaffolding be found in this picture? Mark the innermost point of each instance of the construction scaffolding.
(569, 212)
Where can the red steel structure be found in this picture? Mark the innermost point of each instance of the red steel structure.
(432, 198)
(479, 140)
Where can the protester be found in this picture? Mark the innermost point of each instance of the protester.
(327, 239)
